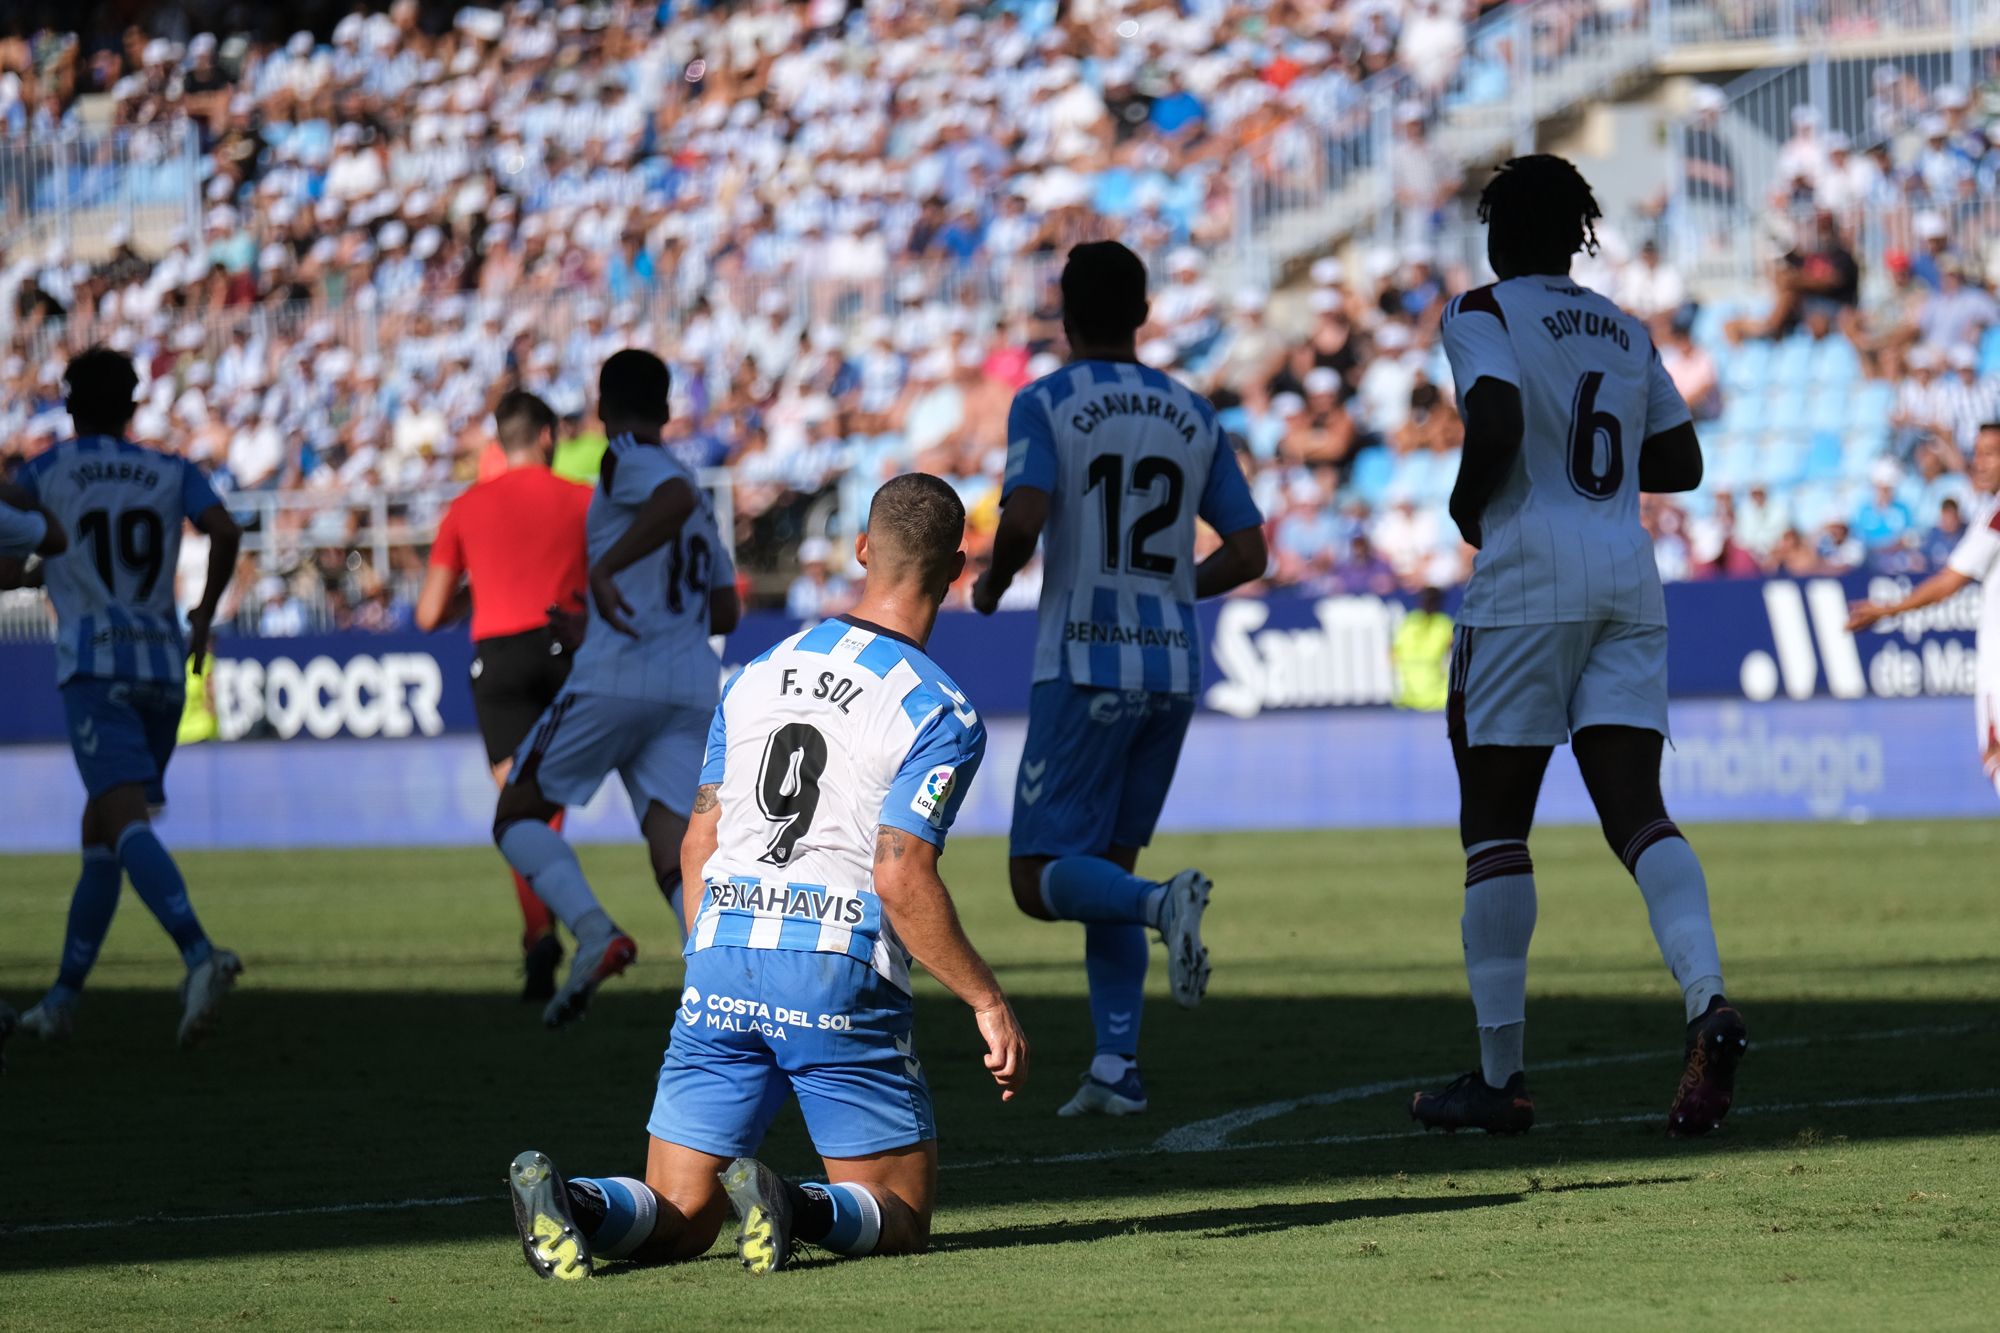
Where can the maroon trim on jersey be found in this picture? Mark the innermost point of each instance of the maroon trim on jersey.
(1994, 522)
(1482, 298)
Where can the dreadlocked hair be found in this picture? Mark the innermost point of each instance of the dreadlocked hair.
(1540, 208)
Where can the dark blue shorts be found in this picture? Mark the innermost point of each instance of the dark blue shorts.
(123, 732)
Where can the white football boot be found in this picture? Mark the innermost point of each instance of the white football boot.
(50, 1020)
(202, 991)
(1096, 1097)
(1180, 928)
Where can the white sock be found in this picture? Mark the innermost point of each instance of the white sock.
(1498, 923)
(1676, 894)
(1111, 1068)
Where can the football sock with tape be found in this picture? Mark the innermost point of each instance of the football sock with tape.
(1498, 923)
(90, 911)
(1114, 960)
(1676, 893)
(615, 1213)
(1090, 888)
(550, 866)
(158, 882)
(845, 1218)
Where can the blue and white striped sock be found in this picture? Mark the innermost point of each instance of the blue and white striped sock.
(630, 1210)
(857, 1218)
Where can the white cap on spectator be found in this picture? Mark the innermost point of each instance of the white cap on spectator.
(1885, 473)
(119, 235)
(1923, 358)
(427, 243)
(202, 43)
(1186, 259)
(1324, 301)
(274, 256)
(348, 31)
(1322, 380)
(1805, 117)
(1380, 263)
(1932, 127)
(1962, 357)
(1708, 97)
(1409, 112)
(1287, 405)
(1328, 272)
(1418, 253)
(1928, 225)
(1838, 142)
(300, 45)
(815, 551)
(187, 337)
(1251, 300)
(219, 189)
(1156, 352)
(347, 135)
(157, 52)
(1044, 363)
(1392, 337)
(1949, 97)
(393, 236)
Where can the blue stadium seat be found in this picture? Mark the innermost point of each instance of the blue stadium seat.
(1790, 364)
(1834, 363)
(1824, 460)
(1873, 402)
(1814, 504)
(1743, 369)
(1862, 448)
(1732, 464)
(1742, 412)
(1828, 408)
(1782, 461)
(1412, 473)
(1373, 469)
(1444, 475)
(1790, 409)
(1989, 351)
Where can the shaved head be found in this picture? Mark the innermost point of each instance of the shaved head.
(915, 525)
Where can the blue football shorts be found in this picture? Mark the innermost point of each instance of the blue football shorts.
(581, 739)
(757, 1024)
(1095, 768)
(1535, 684)
(123, 732)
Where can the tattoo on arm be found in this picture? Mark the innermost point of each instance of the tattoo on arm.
(705, 798)
(890, 844)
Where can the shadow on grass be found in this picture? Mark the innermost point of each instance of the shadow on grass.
(330, 1099)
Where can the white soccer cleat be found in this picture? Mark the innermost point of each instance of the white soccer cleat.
(1096, 1097)
(50, 1020)
(202, 991)
(1180, 928)
(597, 960)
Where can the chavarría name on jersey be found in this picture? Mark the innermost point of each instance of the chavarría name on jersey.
(841, 909)
(1110, 404)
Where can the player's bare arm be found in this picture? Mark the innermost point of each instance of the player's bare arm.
(725, 610)
(1021, 519)
(697, 847)
(1939, 586)
(445, 599)
(1243, 556)
(918, 905)
(658, 522)
(1493, 428)
(1670, 462)
(225, 539)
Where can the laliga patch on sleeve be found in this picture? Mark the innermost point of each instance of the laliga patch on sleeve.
(932, 795)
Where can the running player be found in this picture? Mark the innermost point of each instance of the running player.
(512, 548)
(1115, 460)
(1976, 559)
(1569, 415)
(120, 655)
(645, 680)
(836, 764)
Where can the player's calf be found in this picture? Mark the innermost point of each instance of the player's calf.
(775, 1216)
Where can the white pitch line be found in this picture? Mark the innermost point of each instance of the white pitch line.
(1174, 1141)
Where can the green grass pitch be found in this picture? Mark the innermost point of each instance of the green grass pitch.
(375, 1054)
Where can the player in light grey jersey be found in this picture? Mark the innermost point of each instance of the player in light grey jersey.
(639, 699)
(1568, 417)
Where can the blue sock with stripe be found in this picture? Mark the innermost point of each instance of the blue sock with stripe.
(90, 910)
(540, 855)
(857, 1218)
(630, 1210)
(1114, 959)
(1090, 888)
(158, 882)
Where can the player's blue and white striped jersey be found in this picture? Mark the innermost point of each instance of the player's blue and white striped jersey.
(1561, 538)
(122, 507)
(670, 661)
(1129, 457)
(829, 736)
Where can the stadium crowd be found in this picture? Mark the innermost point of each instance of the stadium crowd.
(839, 223)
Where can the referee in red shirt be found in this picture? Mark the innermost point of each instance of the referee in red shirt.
(513, 547)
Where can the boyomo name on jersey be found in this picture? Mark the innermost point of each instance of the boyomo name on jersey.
(1590, 324)
(1129, 458)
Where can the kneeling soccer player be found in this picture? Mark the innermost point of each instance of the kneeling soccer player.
(836, 762)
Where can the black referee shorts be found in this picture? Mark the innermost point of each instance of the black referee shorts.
(514, 678)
